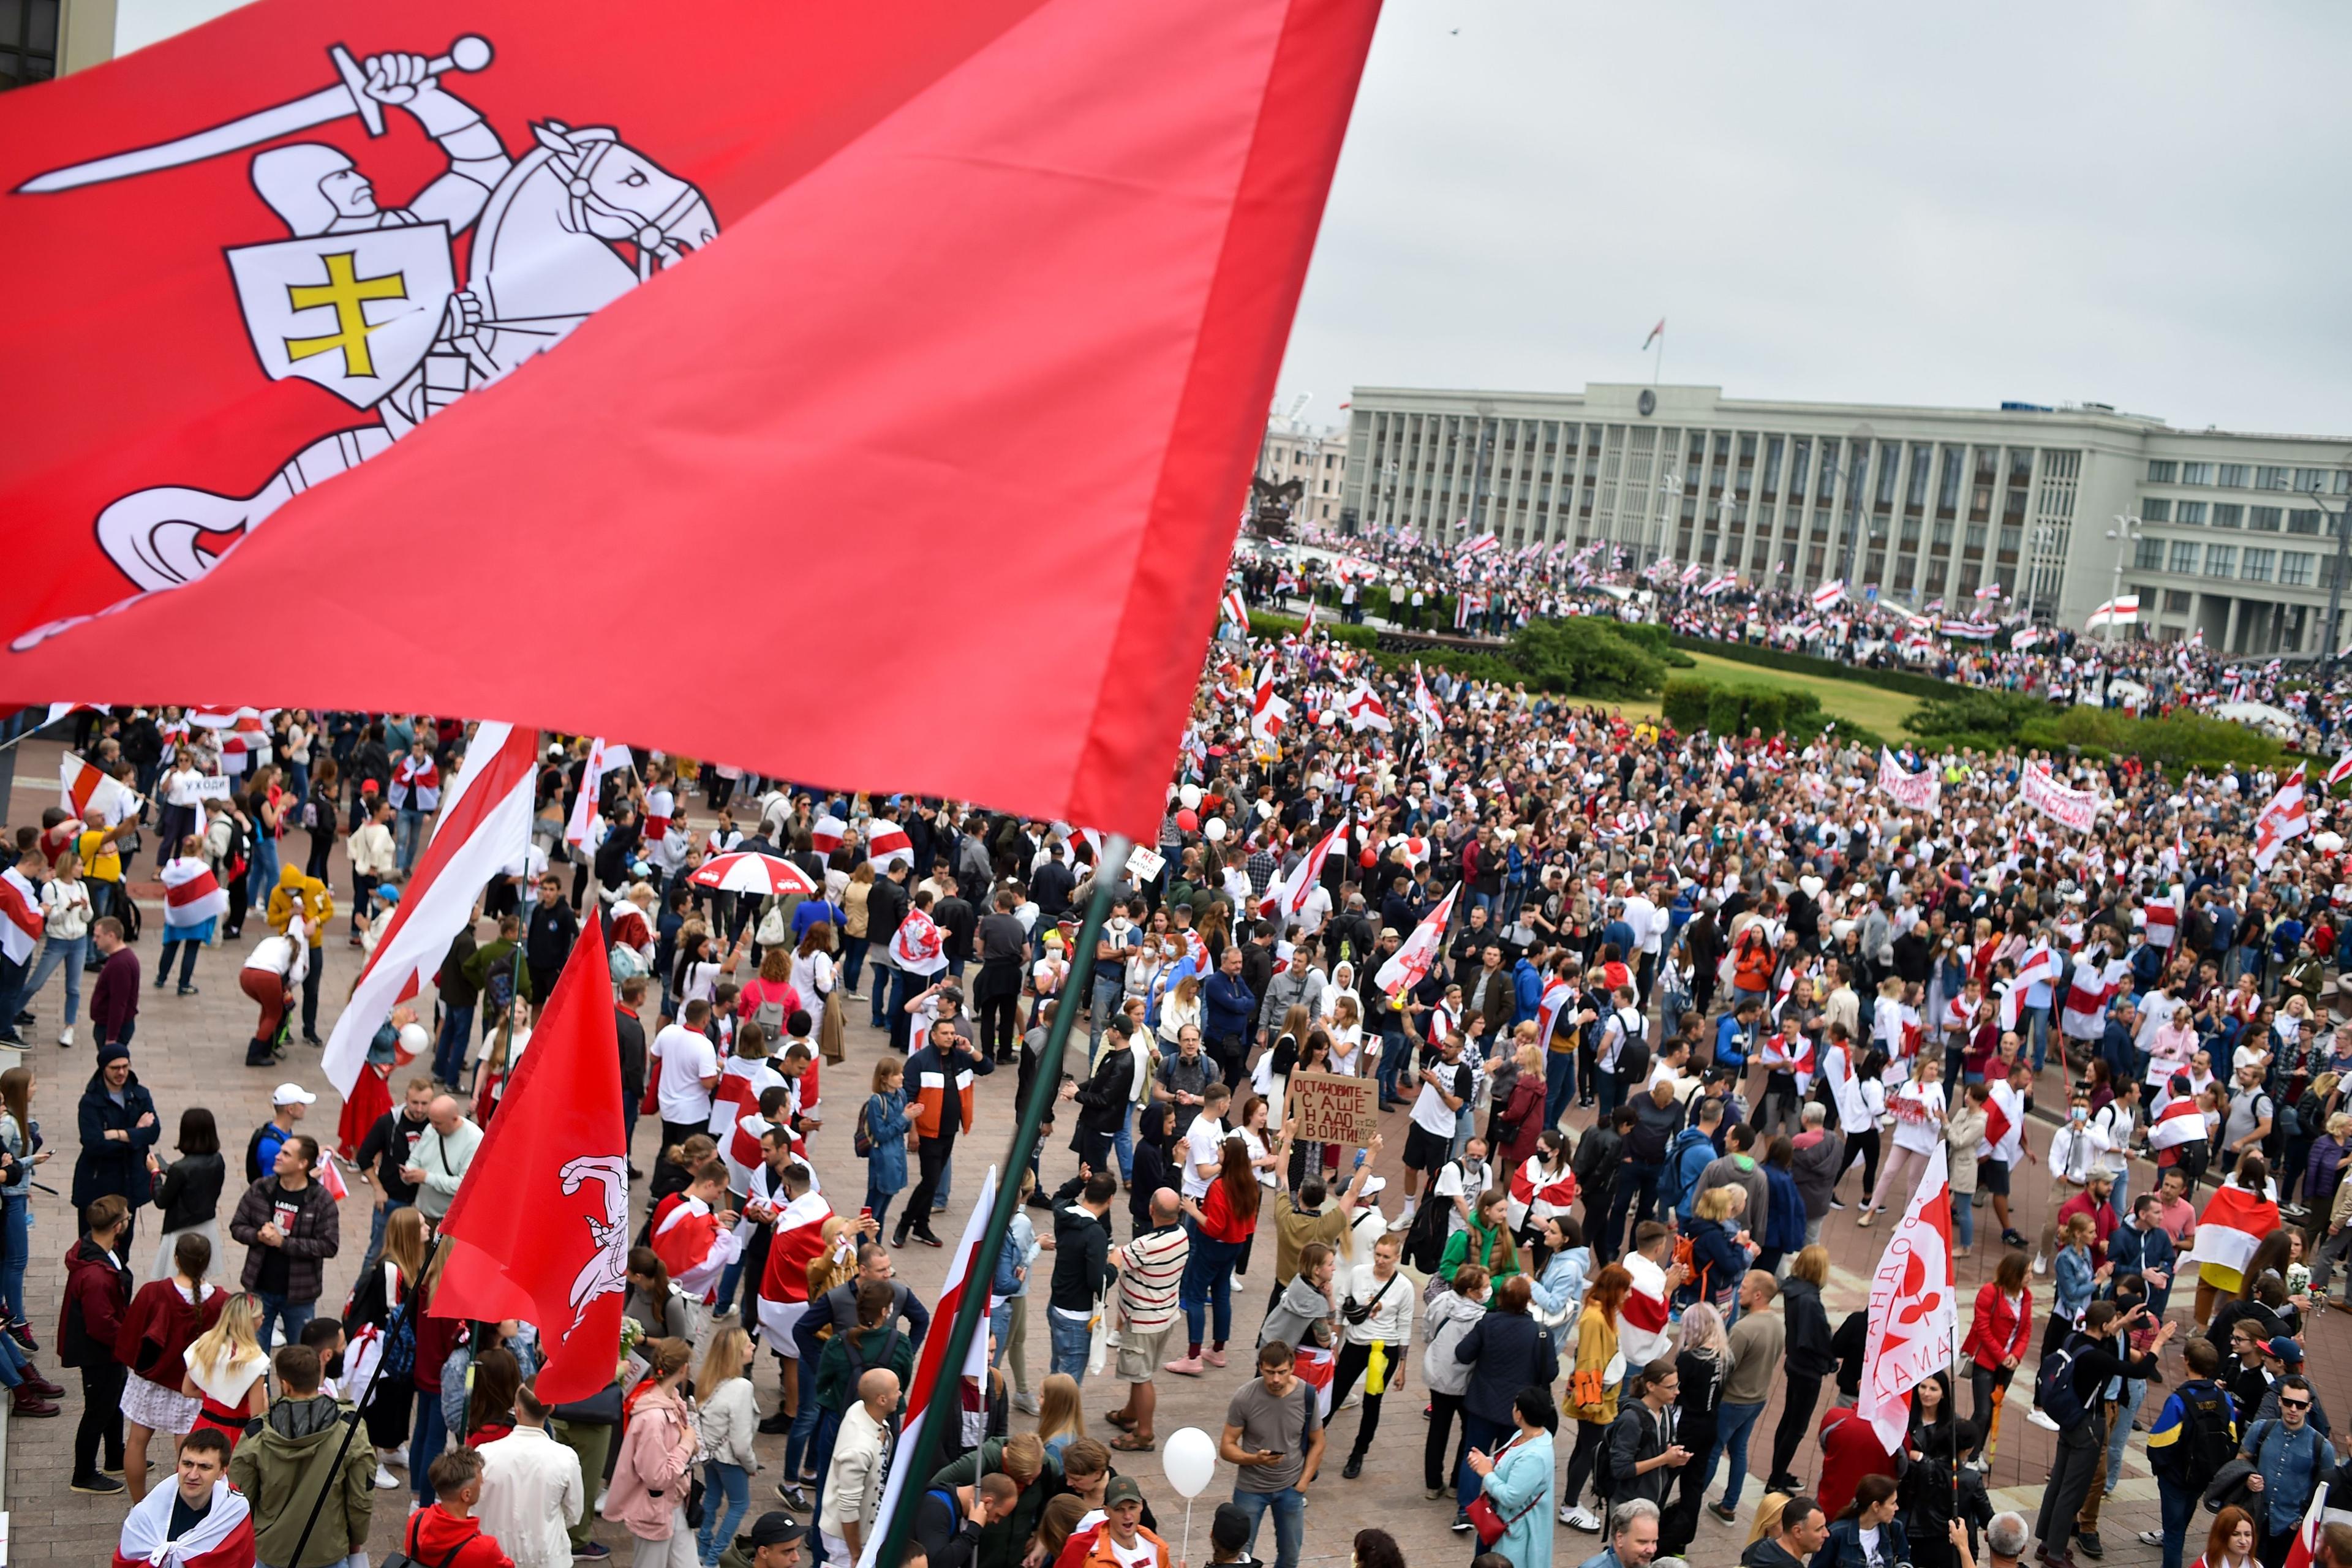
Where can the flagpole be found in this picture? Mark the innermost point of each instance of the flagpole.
(973, 1306)
(407, 1318)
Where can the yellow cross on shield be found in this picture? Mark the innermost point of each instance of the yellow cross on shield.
(354, 312)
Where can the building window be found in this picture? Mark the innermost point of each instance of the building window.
(2271, 478)
(2264, 518)
(2232, 476)
(1947, 488)
(1916, 494)
(28, 42)
(1827, 490)
(1975, 545)
(2221, 561)
(2303, 519)
(1943, 534)
(2190, 511)
(2176, 601)
(2196, 473)
(2156, 510)
(2258, 564)
(2311, 482)
(2010, 539)
(2150, 556)
(2228, 514)
(1800, 452)
(2294, 569)
(1890, 456)
(2184, 556)
(2021, 465)
(2163, 471)
(1773, 466)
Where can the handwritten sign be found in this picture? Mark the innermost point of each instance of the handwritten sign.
(2077, 808)
(1335, 1109)
(1145, 865)
(215, 787)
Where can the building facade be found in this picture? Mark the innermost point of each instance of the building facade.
(2231, 534)
(1316, 455)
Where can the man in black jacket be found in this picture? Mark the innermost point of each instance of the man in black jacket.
(1082, 1269)
(1102, 1099)
(1643, 1451)
(1050, 887)
(547, 940)
(629, 1031)
(886, 909)
(389, 1147)
(2083, 1444)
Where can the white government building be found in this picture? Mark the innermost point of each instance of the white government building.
(2229, 533)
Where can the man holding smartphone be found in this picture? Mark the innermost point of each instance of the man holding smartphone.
(1273, 1434)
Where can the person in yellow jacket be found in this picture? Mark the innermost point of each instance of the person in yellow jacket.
(1593, 1388)
(300, 893)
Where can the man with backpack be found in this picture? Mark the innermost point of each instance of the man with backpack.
(2292, 1462)
(2195, 1435)
(1693, 1151)
(1643, 1452)
(2066, 1390)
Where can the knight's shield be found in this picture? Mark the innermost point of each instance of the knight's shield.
(354, 312)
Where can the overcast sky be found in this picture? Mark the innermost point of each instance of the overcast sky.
(2141, 205)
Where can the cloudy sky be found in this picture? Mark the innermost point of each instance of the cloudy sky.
(2141, 205)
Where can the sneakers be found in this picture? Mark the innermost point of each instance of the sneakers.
(2011, 1238)
(1183, 1366)
(1461, 1525)
(1026, 1403)
(97, 1486)
(2086, 1542)
(23, 1334)
(1352, 1400)
(1723, 1513)
(2041, 1264)
(2042, 1419)
(2151, 1538)
(65, 1037)
(1836, 1207)
(1401, 1222)
(593, 1552)
(384, 1479)
(794, 1497)
(1433, 1494)
(1578, 1519)
(1213, 1356)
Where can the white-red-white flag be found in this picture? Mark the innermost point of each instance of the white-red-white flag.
(886, 842)
(192, 894)
(1234, 608)
(917, 947)
(932, 1377)
(1829, 594)
(1424, 703)
(2285, 817)
(1366, 710)
(484, 828)
(1912, 1310)
(21, 921)
(1405, 967)
(1286, 900)
(92, 796)
(222, 1538)
(826, 833)
(580, 831)
(2180, 1122)
(2341, 771)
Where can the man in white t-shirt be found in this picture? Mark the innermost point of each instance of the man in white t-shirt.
(1445, 1088)
(1204, 1142)
(1649, 927)
(689, 1072)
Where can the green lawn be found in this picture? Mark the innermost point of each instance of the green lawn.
(1870, 706)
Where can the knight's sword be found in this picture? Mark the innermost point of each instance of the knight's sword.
(329, 103)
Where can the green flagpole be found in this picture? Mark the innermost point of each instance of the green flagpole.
(924, 1454)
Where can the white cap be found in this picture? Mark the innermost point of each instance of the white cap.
(293, 1094)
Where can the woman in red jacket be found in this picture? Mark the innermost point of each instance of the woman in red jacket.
(1998, 1336)
(164, 1319)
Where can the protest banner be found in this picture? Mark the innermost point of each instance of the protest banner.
(2077, 808)
(1333, 1109)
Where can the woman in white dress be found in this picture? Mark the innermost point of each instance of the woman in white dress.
(1919, 1108)
(813, 973)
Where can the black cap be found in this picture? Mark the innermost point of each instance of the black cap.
(775, 1529)
(1230, 1530)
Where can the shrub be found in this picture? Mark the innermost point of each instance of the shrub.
(1586, 656)
(1684, 702)
(1909, 682)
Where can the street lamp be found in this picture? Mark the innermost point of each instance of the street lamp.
(2042, 536)
(2126, 534)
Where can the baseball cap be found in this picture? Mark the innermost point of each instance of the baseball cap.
(2284, 1349)
(1122, 1488)
(293, 1094)
(774, 1528)
(1230, 1530)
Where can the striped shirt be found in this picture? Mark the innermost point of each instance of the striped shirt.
(1151, 1266)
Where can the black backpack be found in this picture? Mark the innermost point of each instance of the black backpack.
(2053, 1386)
(2206, 1442)
(1426, 1238)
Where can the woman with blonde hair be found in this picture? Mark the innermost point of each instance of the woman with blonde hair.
(1180, 1008)
(1061, 1417)
(226, 1368)
(729, 1419)
(1592, 1386)
(1701, 1367)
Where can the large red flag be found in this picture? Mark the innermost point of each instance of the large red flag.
(540, 1229)
(999, 282)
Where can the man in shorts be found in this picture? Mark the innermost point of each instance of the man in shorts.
(1150, 1269)
(1445, 1082)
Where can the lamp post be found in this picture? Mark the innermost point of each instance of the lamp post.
(1858, 451)
(2126, 534)
(2335, 649)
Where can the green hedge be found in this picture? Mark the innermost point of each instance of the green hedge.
(1583, 656)
(1903, 680)
(1693, 703)
(1994, 720)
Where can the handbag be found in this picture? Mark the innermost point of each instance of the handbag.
(1355, 1311)
(773, 930)
(1488, 1521)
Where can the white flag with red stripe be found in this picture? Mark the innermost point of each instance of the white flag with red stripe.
(2163, 921)
(330, 1175)
(932, 1377)
(2286, 817)
(1537, 1195)
(919, 948)
(2180, 1122)
(2232, 1226)
(1234, 608)
(798, 1241)
(484, 827)
(92, 796)
(21, 920)
(2040, 966)
(1366, 710)
(2341, 771)
(826, 834)
(580, 831)
(886, 843)
(1424, 703)
(2092, 986)
(192, 894)
(1410, 962)
(222, 1538)
(1286, 900)
(1913, 1314)
(695, 1247)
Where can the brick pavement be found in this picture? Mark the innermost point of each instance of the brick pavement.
(190, 1051)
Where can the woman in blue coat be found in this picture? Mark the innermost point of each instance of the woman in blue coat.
(1867, 1533)
(1516, 1481)
(885, 1125)
(1784, 1217)
(118, 1131)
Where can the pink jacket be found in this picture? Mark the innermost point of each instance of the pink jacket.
(649, 1480)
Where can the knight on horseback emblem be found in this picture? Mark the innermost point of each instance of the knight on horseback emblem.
(365, 300)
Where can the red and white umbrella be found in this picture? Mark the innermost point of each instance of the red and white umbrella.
(750, 872)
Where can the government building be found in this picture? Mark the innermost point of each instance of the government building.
(2226, 532)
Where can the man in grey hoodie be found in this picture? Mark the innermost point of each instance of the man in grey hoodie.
(1821, 1154)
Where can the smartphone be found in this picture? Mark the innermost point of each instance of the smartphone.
(865, 1211)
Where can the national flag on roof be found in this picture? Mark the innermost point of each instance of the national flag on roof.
(1655, 333)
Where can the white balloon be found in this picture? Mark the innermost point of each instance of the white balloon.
(1190, 1457)
(1214, 829)
(1189, 797)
